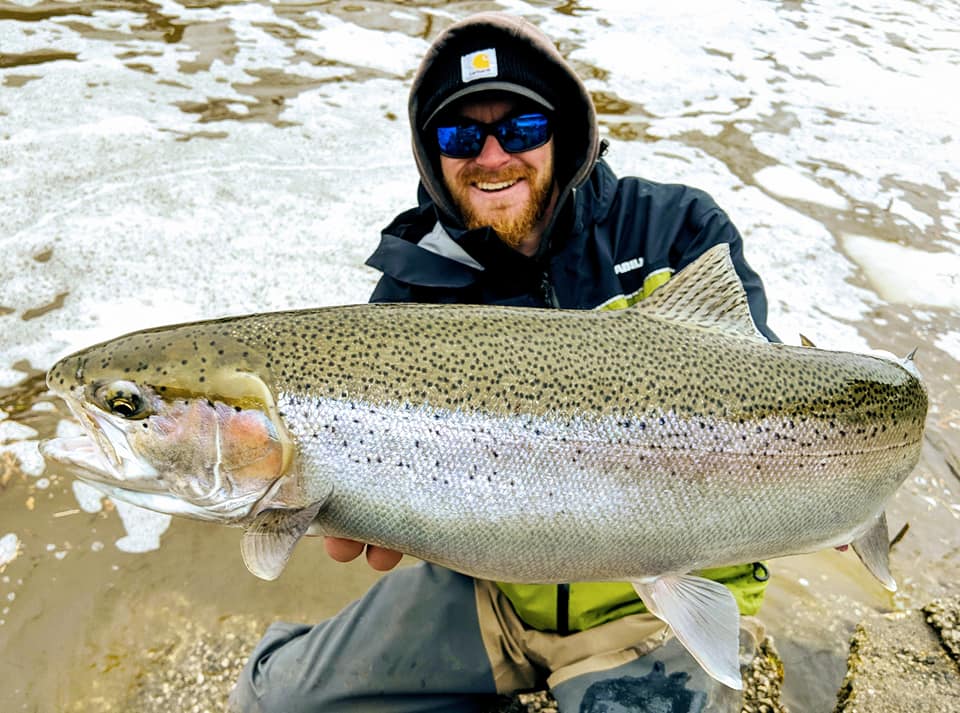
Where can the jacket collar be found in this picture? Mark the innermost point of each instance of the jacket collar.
(400, 256)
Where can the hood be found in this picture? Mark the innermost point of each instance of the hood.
(516, 42)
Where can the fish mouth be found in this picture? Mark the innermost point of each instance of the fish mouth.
(101, 454)
(89, 455)
(85, 455)
(103, 451)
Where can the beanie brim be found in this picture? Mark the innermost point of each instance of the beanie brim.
(510, 87)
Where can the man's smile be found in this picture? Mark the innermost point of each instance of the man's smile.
(493, 186)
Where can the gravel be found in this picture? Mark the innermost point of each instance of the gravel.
(944, 616)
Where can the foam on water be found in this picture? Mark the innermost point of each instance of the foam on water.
(894, 272)
(148, 229)
(144, 527)
(27, 455)
(950, 343)
(13, 431)
(9, 548)
(11, 377)
(88, 498)
(785, 182)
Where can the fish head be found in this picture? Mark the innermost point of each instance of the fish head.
(175, 422)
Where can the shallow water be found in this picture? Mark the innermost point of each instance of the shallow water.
(165, 161)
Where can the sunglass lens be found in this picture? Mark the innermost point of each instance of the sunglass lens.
(522, 133)
(460, 141)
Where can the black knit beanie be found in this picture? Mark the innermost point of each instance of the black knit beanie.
(487, 60)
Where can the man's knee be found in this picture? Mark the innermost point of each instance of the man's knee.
(268, 685)
(668, 678)
(414, 633)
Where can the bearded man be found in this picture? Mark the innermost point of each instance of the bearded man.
(516, 208)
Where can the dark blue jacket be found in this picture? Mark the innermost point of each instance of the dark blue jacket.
(614, 237)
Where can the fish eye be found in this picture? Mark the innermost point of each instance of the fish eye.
(122, 398)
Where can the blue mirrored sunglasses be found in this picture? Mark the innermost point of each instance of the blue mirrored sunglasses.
(515, 134)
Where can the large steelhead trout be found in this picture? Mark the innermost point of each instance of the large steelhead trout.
(512, 444)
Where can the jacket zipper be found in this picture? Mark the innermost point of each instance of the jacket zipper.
(547, 291)
(563, 609)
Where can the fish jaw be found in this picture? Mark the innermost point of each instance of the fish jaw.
(89, 464)
(82, 452)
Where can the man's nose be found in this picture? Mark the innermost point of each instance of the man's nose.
(492, 154)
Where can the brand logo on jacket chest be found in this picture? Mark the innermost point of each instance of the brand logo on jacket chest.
(628, 265)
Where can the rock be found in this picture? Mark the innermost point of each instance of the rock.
(898, 663)
(944, 616)
(763, 680)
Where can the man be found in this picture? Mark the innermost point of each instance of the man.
(516, 208)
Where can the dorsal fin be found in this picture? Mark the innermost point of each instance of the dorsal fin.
(706, 293)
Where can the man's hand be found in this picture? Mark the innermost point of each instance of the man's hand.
(380, 558)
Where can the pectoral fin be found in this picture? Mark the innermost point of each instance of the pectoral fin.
(269, 541)
(873, 549)
(704, 617)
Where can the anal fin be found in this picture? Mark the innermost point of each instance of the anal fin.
(873, 549)
(703, 616)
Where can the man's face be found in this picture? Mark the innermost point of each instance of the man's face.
(512, 193)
